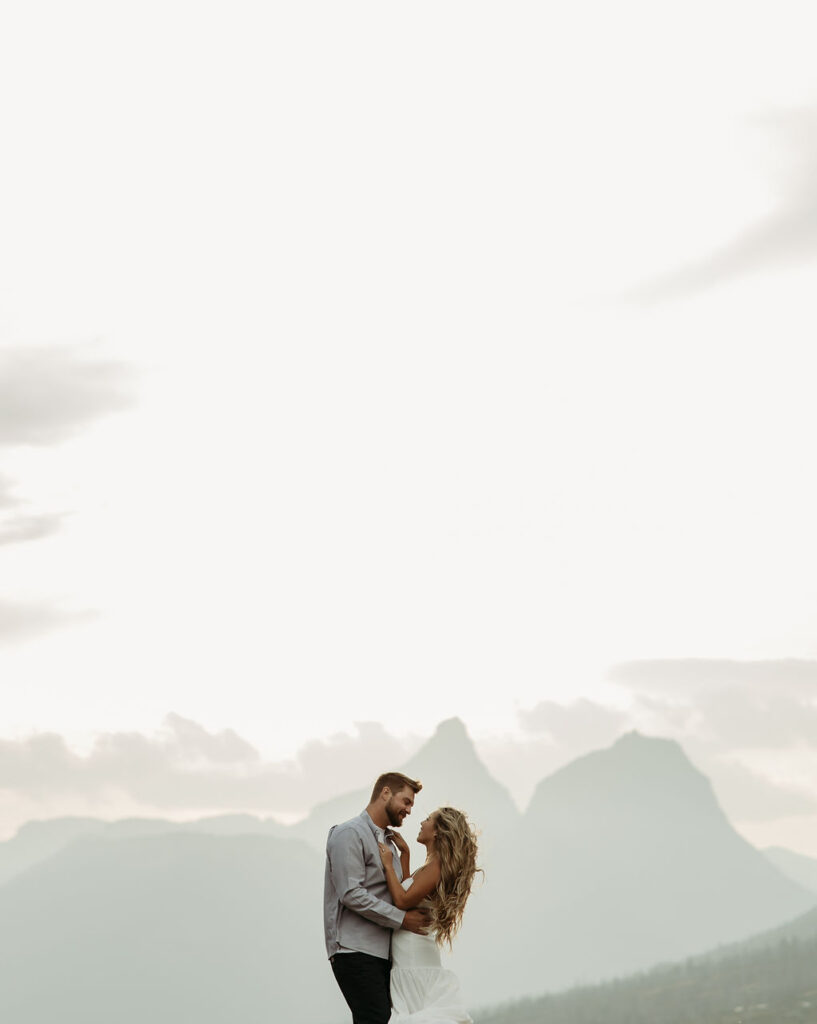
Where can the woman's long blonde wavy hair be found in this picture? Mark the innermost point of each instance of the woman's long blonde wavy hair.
(456, 847)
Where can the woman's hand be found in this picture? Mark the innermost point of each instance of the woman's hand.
(400, 843)
(386, 855)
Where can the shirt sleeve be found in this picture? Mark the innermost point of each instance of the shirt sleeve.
(348, 869)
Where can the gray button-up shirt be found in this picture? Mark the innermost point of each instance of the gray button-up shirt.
(358, 913)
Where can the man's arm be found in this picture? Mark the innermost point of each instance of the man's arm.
(348, 869)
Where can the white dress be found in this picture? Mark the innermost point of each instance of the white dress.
(422, 990)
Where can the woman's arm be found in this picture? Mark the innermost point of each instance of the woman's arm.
(425, 882)
(405, 853)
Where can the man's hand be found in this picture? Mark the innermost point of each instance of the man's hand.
(417, 921)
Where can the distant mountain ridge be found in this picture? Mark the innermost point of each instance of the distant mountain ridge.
(37, 840)
(622, 859)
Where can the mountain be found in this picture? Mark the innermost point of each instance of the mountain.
(167, 928)
(145, 919)
(770, 979)
(796, 866)
(623, 859)
(451, 773)
(35, 841)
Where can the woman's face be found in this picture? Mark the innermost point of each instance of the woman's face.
(428, 829)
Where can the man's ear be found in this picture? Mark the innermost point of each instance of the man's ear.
(385, 789)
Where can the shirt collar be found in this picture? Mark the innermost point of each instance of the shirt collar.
(387, 832)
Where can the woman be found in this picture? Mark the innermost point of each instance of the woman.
(422, 991)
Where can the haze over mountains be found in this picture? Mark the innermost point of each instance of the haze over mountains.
(802, 870)
(622, 859)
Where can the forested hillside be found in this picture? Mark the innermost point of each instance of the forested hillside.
(768, 986)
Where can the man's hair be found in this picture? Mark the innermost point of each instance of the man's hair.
(395, 781)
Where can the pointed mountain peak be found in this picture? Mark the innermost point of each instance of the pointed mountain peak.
(452, 729)
(450, 742)
(449, 752)
(452, 773)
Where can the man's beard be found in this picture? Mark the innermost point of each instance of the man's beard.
(393, 815)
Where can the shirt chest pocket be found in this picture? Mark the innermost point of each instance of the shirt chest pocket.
(373, 863)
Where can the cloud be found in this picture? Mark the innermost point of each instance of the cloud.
(734, 704)
(19, 621)
(7, 498)
(193, 742)
(661, 715)
(372, 745)
(761, 720)
(582, 721)
(786, 237)
(48, 393)
(729, 715)
(16, 529)
(747, 796)
(796, 677)
(186, 767)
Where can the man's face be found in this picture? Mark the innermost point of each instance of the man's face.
(399, 805)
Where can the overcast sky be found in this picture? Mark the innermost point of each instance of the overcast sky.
(371, 364)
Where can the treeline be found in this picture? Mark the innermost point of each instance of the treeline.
(775, 985)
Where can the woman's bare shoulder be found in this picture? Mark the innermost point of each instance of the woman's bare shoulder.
(427, 872)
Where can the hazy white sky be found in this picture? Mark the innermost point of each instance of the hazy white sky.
(386, 363)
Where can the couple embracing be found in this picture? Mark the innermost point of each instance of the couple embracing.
(384, 924)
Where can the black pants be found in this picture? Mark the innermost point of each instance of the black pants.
(364, 982)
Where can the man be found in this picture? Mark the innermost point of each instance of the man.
(358, 913)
